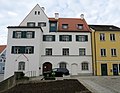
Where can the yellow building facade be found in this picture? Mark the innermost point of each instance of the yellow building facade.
(106, 49)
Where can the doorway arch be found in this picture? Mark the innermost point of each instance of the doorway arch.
(47, 66)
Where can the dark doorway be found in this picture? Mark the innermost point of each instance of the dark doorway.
(115, 69)
(47, 66)
(104, 70)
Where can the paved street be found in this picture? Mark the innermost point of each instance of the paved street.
(101, 84)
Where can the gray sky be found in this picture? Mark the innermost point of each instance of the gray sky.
(12, 12)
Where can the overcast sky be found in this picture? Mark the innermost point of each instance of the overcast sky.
(12, 12)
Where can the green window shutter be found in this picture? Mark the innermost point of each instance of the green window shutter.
(33, 34)
(86, 38)
(14, 34)
(44, 37)
(77, 37)
(60, 38)
(53, 38)
(23, 34)
(22, 49)
(70, 38)
(12, 50)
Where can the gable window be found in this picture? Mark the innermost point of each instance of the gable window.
(48, 37)
(48, 51)
(42, 24)
(35, 12)
(103, 52)
(65, 37)
(21, 66)
(31, 24)
(64, 26)
(85, 66)
(62, 65)
(113, 52)
(22, 50)
(82, 51)
(102, 36)
(112, 37)
(38, 12)
(82, 38)
(80, 26)
(65, 51)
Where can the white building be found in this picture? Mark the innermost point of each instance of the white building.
(40, 43)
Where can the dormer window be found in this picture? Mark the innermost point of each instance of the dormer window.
(80, 26)
(64, 26)
(31, 24)
(41, 24)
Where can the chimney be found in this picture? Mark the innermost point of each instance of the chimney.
(56, 15)
(43, 8)
(82, 16)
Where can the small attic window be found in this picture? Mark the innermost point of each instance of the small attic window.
(38, 12)
(64, 26)
(80, 26)
(31, 24)
(35, 12)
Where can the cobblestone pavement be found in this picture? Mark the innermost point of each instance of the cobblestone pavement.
(101, 84)
(1, 77)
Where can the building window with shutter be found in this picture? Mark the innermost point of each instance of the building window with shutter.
(82, 38)
(48, 51)
(112, 37)
(82, 51)
(103, 52)
(113, 52)
(65, 38)
(48, 38)
(102, 37)
(65, 51)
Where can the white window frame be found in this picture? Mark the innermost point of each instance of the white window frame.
(48, 51)
(103, 52)
(29, 34)
(113, 52)
(102, 36)
(65, 51)
(21, 66)
(82, 51)
(85, 66)
(112, 37)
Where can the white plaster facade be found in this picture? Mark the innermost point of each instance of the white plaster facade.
(34, 62)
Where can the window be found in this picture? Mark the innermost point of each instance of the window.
(22, 50)
(38, 12)
(82, 52)
(28, 50)
(64, 26)
(48, 37)
(85, 66)
(62, 65)
(112, 37)
(102, 36)
(48, 51)
(18, 34)
(29, 34)
(42, 24)
(65, 51)
(80, 26)
(65, 38)
(113, 52)
(23, 34)
(3, 68)
(31, 24)
(35, 12)
(53, 26)
(103, 52)
(21, 66)
(82, 38)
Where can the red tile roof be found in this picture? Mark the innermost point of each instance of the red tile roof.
(72, 24)
(2, 47)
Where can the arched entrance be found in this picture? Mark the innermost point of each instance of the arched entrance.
(47, 66)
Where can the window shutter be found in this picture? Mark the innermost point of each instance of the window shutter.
(33, 34)
(70, 38)
(77, 38)
(32, 49)
(60, 38)
(23, 34)
(53, 38)
(12, 49)
(14, 34)
(86, 38)
(44, 38)
(22, 49)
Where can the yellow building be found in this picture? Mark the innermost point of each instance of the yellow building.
(106, 49)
